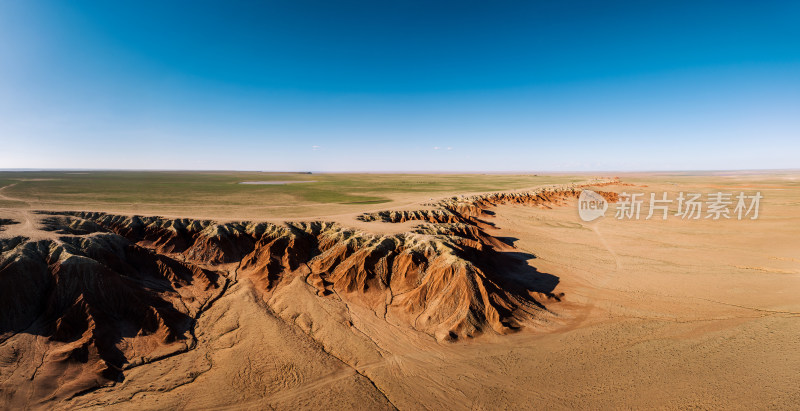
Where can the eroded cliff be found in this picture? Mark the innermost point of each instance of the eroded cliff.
(106, 293)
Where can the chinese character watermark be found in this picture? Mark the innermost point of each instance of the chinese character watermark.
(629, 206)
(689, 206)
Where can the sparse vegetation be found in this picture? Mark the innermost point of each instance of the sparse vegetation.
(160, 191)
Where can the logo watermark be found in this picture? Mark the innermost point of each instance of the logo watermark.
(591, 205)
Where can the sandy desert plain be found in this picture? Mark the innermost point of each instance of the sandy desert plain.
(482, 291)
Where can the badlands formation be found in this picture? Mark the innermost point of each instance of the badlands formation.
(99, 309)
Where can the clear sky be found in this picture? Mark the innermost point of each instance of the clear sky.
(400, 85)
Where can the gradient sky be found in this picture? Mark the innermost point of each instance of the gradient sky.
(405, 85)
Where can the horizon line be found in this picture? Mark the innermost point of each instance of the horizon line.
(35, 169)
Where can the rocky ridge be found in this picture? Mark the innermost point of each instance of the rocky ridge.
(112, 292)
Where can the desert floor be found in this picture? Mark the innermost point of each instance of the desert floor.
(655, 313)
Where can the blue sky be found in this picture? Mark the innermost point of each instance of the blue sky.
(400, 86)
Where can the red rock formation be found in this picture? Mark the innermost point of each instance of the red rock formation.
(111, 292)
(470, 209)
(99, 304)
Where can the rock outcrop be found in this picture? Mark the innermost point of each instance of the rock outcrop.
(110, 292)
(468, 209)
(92, 306)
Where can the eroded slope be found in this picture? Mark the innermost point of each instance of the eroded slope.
(106, 293)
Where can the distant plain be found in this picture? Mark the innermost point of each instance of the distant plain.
(220, 194)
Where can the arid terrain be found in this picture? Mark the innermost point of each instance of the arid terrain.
(455, 292)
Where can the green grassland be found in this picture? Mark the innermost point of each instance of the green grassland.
(98, 190)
